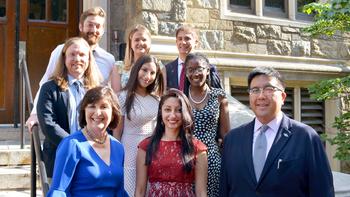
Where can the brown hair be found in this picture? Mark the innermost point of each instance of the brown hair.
(92, 76)
(188, 29)
(129, 58)
(93, 96)
(95, 11)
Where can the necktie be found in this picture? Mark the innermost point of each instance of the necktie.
(182, 78)
(80, 92)
(260, 149)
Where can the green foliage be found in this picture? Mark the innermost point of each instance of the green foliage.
(331, 89)
(342, 140)
(329, 17)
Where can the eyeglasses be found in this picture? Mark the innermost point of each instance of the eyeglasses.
(199, 69)
(268, 90)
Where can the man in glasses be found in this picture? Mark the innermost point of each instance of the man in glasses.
(273, 155)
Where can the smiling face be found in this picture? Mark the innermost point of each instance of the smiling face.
(197, 72)
(98, 115)
(266, 107)
(171, 114)
(146, 75)
(185, 43)
(92, 29)
(77, 59)
(140, 43)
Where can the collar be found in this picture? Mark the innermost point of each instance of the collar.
(273, 124)
(179, 61)
(71, 80)
(97, 50)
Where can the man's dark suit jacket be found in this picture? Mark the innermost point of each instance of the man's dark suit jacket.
(172, 77)
(52, 112)
(296, 165)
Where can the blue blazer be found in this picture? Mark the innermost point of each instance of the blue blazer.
(296, 165)
(52, 112)
(173, 82)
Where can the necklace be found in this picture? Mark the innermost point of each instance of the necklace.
(197, 102)
(94, 138)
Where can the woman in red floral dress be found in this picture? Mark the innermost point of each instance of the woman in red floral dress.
(172, 160)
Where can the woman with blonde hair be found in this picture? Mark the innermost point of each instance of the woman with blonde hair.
(60, 97)
(138, 43)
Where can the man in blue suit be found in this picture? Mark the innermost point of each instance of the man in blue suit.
(186, 42)
(273, 155)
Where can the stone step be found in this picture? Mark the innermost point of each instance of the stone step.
(19, 193)
(13, 135)
(9, 133)
(14, 177)
(12, 155)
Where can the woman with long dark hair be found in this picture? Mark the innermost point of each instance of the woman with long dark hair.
(172, 160)
(139, 100)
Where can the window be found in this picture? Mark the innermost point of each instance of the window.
(299, 12)
(59, 10)
(276, 12)
(37, 9)
(245, 3)
(275, 8)
(54, 10)
(243, 6)
(2, 8)
(311, 111)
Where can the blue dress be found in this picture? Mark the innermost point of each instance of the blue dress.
(79, 171)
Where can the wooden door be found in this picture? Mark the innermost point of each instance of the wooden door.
(43, 25)
(7, 59)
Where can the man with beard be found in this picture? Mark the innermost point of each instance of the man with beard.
(91, 27)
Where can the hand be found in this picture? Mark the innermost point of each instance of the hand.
(32, 120)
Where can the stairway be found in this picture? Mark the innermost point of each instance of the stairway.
(14, 163)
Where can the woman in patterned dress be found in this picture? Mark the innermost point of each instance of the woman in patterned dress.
(171, 160)
(211, 115)
(139, 103)
(138, 43)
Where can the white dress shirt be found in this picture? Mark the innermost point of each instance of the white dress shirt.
(270, 133)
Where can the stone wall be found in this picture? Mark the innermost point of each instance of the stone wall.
(163, 17)
(235, 46)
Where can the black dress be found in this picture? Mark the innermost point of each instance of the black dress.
(206, 125)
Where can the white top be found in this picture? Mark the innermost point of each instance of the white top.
(179, 68)
(270, 133)
(104, 61)
(143, 119)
